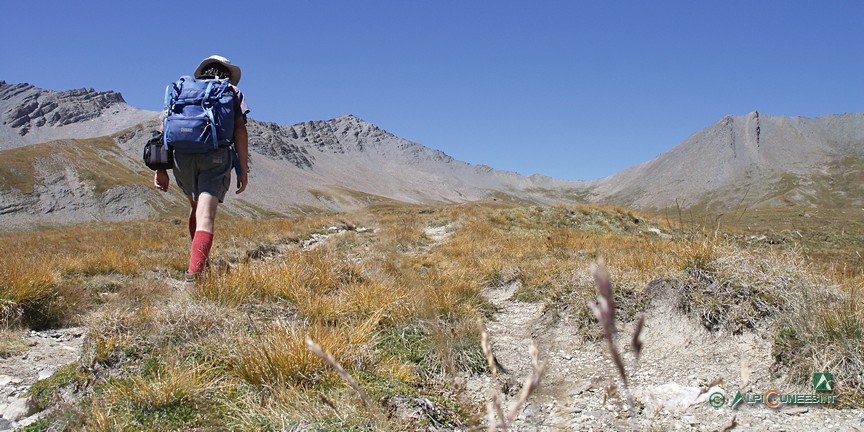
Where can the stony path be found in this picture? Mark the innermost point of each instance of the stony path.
(47, 351)
(581, 389)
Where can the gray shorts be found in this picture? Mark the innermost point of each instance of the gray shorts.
(198, 173)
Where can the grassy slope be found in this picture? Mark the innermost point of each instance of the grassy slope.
(396, 309)
(101, 164)
(98, 160)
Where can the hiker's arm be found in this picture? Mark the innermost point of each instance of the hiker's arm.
(241, 143)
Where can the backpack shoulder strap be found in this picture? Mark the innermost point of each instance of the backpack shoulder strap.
(173, 91)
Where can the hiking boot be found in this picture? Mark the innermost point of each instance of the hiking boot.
(189, 279)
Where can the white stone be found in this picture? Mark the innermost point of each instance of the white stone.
(19, 408)
(46, 373)
(795, 411)
(32, 419)
(672, 397)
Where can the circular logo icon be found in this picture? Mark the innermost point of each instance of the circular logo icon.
(772, 402)
(717, 399)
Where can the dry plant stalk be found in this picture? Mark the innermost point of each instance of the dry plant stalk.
(496, 417)
(604, 311)
(327, 357)
(531, 383)
(487, 349)
(636, 343)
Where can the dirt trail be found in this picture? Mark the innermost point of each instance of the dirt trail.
(46, 352)
(581, 389)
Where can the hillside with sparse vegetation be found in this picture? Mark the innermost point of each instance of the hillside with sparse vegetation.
(400, 295)
(392, 287)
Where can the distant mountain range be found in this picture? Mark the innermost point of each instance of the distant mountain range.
(74, 156)
(754, 160)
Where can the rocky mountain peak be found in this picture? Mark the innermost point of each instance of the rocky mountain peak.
(36, 107)
(302, 143)
(29, 114)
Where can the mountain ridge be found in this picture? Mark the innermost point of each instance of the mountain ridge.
(331, 165)
(31, 115)
(753, 150)
(345, 162)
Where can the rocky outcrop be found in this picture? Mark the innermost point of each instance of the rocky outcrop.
(40, 108)
(46, 352)
(31, 115)
(275, 142)
(345, 135)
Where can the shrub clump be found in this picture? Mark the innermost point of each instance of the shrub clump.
(736, 290)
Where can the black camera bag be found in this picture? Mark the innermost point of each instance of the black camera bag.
(158, 156)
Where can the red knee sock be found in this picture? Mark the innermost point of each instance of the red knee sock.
(192, 224)
(201, 243)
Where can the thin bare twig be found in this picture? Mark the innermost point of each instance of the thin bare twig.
(531, 383)
(327, 357)
(499, 413)
(636, 343)
(604, 311)
(495, 415)
(487, 349)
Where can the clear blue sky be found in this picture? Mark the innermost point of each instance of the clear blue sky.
(569, 89)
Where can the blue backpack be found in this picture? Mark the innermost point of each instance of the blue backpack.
(200, 115)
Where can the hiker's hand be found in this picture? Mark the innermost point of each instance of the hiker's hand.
(161, 180)
(242, 181)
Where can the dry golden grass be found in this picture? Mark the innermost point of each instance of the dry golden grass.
(26, 288)
(11, 343)
(171, 397)
(393, 306)
(118, 333)
(278, 356)
(810, 262)
(331, 409)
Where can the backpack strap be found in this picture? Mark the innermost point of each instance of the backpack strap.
(168, 97)
(223, 85)
(207, 106)
(212, 94)
(171, 92)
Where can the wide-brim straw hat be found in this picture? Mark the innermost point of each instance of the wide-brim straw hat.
(235, 70)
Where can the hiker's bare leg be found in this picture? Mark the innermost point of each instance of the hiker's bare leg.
(205, 212)
(193, 222)
(202, 240)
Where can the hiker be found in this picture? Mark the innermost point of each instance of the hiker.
(205, 177)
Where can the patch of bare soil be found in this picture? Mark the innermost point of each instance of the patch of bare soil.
(46, 352)
(682, 365)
